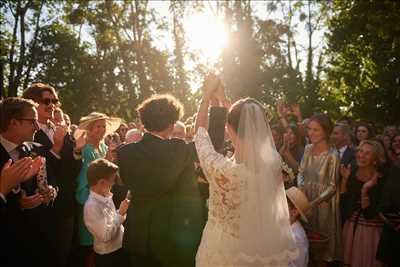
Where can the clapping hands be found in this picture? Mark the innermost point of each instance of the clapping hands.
(80, 142)
(284, 110)
(35, 200)
(59, 134)
(20, 171)
(371, 183)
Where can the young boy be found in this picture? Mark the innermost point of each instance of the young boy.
(298, 207)
(101, 218)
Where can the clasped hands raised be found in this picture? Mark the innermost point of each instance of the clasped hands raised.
(214, 91)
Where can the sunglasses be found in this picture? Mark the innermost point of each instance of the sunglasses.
(48, 101)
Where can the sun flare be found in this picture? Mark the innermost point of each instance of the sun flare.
(206, 34)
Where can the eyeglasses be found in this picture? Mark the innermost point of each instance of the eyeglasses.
(48, 101)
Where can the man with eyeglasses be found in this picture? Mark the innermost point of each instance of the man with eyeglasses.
(63, 165)
(25, 218)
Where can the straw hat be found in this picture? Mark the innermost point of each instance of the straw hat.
(112, 123)
(299, 200)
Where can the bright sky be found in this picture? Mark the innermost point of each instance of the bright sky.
(205, 34)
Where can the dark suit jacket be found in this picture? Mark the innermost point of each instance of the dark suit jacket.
(63, 172)
(165, 221)
(348, 156)
(9, 218)
(27, 231)
(11, 209)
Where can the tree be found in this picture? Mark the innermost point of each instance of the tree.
(25, 15)
(128, 67)
(181, 87)
(364, 59)
(241, 59)
(63, 63)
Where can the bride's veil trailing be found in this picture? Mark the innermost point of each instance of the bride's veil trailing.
(266, 236)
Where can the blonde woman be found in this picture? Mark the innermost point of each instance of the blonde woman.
(361, 190)
(95, 127)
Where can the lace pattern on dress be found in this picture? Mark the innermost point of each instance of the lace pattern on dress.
(226, 183)
(213, 258)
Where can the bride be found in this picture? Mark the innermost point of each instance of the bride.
(248, 220)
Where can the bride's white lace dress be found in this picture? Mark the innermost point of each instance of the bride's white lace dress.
(222, 243)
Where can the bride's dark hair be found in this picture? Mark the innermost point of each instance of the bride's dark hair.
(235, 110)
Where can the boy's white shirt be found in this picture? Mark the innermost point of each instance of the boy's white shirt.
(302, 245)
(104, 222)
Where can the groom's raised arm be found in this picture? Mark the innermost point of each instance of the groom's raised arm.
(216, 129)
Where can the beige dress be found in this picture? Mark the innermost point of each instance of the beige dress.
(319, 178)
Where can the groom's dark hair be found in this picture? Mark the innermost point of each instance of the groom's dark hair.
(159, 111)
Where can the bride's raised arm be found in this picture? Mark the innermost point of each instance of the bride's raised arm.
(210, 85)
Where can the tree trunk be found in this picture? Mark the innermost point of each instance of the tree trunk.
(11, 62)
(32, 54)
(137, 29)
(21, 61)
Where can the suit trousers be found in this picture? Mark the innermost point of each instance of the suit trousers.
(64, 231)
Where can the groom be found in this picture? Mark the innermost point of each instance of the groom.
(164, 223)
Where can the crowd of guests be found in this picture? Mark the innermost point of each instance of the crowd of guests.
(350, 173)
(342, 181)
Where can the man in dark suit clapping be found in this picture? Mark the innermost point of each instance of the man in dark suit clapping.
(27, 208)
(164, 223)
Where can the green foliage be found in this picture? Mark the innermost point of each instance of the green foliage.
(101, 55)
(364, 50)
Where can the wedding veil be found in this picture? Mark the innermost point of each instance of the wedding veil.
(265, 232)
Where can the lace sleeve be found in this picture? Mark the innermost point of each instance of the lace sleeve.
(214, 165)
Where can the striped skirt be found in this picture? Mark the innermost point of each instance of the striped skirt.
(361, 238)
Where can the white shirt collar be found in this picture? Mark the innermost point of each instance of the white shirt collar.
(9, 146)
(48, 130)
(44, 126)
(100, 197)
(343, 149)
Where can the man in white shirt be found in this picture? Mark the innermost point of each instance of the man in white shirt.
(101, 218)
(341, 138)
(63, 164)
